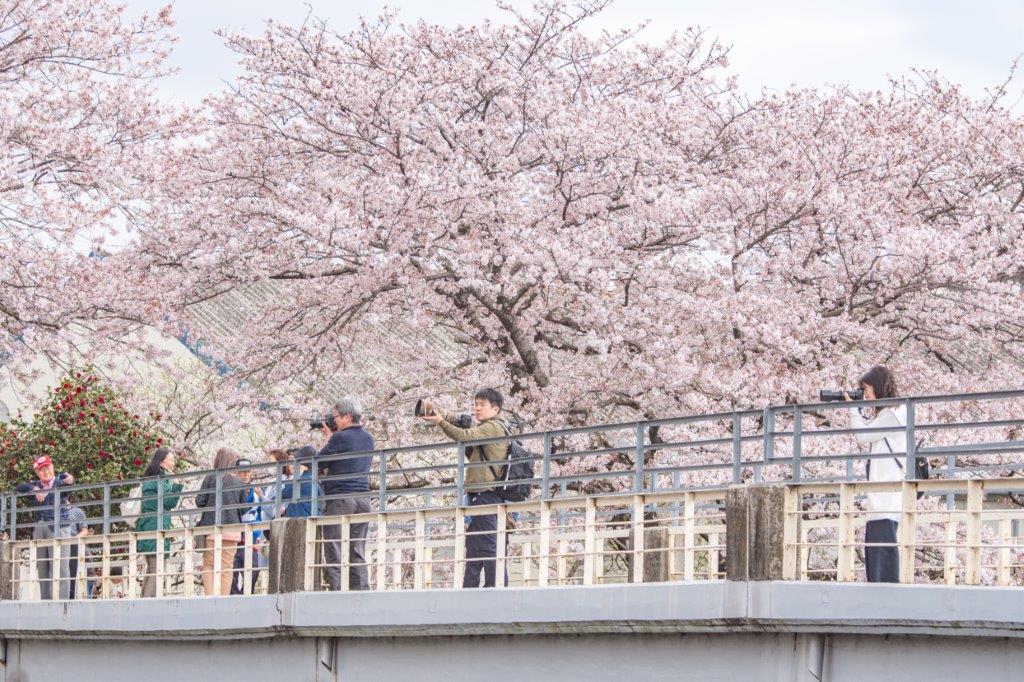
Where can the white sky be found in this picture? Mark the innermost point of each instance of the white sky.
(774, 44)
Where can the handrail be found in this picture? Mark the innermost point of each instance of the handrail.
(723, 453)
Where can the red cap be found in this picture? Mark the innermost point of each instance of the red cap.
(42, 461)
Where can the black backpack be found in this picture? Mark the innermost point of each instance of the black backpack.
(519, 470)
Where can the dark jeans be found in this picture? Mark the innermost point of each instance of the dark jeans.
(238, 577)
(882, 563)
(482, 549)
(358, 575)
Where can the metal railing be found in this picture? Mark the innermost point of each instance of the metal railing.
(980, 541)
(574, 541)
(586, 540)
(962, 434)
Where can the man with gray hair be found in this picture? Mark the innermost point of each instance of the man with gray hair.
(346, 483)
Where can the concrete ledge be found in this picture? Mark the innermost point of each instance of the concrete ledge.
(720, 606)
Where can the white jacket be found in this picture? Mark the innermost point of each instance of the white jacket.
(884, 505)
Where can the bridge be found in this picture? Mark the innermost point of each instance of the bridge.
(704, 547)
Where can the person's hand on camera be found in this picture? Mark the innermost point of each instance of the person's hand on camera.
(434, 418)
(326, 431)
(846, 397)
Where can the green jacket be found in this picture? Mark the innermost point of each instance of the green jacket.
(492, 452)
(147, 515)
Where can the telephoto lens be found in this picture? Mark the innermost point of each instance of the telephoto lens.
(424, 408)
(834, 396)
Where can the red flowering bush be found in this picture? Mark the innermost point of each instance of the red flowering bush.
(86, 430)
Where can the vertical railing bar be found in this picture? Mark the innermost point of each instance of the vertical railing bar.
(737, 449)
(106, 508)
(217, 503)
(638, 464)
(545, 469)
(314, 487)
(910, 472)
(797, 443)
(460, 475)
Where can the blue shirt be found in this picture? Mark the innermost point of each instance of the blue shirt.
(302, 507)
(352, 439)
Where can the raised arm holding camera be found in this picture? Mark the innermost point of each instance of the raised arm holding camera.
(481, 541)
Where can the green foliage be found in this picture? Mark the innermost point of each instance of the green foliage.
(86, 430)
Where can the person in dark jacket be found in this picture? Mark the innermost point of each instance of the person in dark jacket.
(233, 491)
(346, 482)
(42, 501)
(162, 462)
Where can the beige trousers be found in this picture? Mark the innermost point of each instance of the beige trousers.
(227, 562)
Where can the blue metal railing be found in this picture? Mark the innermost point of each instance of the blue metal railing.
(798, 443)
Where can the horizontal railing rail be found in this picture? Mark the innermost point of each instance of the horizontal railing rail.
(809, 442)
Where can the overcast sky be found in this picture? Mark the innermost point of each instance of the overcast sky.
(774, 44)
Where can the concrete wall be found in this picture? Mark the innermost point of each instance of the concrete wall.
(527, 658)
(678, 631)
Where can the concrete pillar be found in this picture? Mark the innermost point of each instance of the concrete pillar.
(6, 585)
(287, 568)
(656, 556)
(754, 522)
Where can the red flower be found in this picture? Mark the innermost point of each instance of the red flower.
(159, 441)
(88, 465)
(110, 430)
(137, 462)
(100, 400)
(102, 454)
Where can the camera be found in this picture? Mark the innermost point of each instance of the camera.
(425, 408)
(318, 423)
(833, 396)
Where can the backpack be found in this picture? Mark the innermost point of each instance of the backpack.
(519, 470)
(132, 506)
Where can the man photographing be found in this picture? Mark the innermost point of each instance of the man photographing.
(348, 477)
(481, 540)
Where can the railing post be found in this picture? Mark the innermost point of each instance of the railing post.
(420, 550)
(543, 561)
(638, 464)
(14, 516)
(737, 448)
(56, 512)
(844, 564)
(545, 469)
(314, 485)
(460, 475)
(767, 429)
(589, 543)
(459, 569)
(159, 502)
(382, 484)
(797, 442)
(975, 505)
(639, 531)
(106, 508)
(910, 471)
(217, 504)
(907, 532)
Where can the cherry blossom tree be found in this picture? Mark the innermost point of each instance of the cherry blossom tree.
(598, 226)
(80, 128)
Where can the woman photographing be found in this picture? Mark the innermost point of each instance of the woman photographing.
(881, 553)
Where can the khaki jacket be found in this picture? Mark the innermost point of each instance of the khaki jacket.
(492, 452)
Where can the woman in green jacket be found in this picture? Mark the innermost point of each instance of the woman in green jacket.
(161, 463)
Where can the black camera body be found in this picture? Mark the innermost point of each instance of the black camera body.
(463, 421)
(318, 423)
(833, 396)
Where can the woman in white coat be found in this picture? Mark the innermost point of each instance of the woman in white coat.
(881, 553)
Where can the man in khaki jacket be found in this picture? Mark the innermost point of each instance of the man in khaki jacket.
(481, 540)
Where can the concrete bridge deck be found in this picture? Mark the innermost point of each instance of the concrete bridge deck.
(721, 630)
